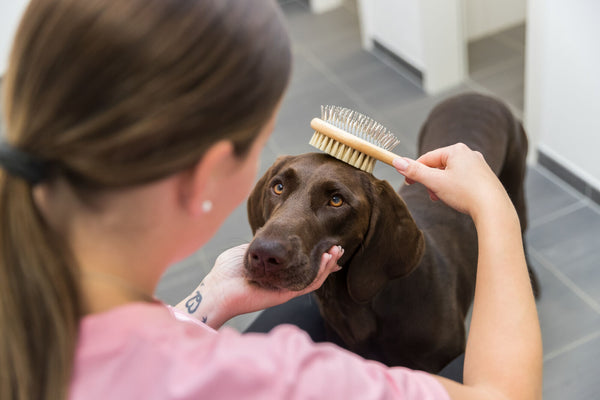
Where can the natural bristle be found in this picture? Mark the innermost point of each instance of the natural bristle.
(353, 138)
(342, 152)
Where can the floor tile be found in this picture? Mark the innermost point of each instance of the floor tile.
(406, 118)
(515, 36)
(182, 278)
(567, 236)
(342, 58)
(545, 198)
(571, 244)
(507, 81)
(574, 374)
(381, 87)
(307, 29)
(564, 317)
(488, 53)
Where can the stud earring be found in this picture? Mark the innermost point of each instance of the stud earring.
(207, 206)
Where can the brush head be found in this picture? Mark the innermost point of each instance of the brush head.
(349, 135)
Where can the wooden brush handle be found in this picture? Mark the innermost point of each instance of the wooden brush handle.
(355, 142)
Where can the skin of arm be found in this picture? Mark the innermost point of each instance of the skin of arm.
(503, 358)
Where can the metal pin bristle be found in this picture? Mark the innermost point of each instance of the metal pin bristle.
(360, 126)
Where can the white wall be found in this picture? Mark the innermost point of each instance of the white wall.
(562, 97)
(10, 14)
(398, 27)
(486, 17)
(431, 35)
(321, 6)
(428, 34)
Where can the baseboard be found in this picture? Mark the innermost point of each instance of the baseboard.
(405, 68)
(573, 180)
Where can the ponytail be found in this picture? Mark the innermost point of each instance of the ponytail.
(39, 300)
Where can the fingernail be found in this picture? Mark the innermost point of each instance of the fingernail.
(400, 163)
(341, 249)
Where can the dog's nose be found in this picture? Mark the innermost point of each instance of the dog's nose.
(267, 255)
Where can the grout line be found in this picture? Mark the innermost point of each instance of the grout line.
(587, 299)
(571, 346)
(557, 214)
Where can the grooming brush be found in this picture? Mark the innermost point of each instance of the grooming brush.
(353, 138)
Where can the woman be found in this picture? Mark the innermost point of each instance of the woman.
(133, 130)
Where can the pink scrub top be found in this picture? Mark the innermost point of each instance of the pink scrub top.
(151, 351)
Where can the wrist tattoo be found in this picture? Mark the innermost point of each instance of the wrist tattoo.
(193, 302)
(204, 319)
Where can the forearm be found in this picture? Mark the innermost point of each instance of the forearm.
(504, 349)
(206, 305)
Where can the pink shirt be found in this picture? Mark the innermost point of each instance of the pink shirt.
(141, 351)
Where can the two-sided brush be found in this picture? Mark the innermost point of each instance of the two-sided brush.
(353, 138)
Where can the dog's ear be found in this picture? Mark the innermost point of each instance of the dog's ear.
(393, 246)
(256, 204)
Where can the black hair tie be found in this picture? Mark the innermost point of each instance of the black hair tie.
(21, 164)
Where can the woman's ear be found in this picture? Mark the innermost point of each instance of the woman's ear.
(203, 181)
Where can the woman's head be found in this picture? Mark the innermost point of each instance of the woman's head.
(109, 94)
(115, 93)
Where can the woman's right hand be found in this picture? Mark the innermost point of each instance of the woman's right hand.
(458, 176)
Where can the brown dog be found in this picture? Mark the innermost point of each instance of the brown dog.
(409, 265)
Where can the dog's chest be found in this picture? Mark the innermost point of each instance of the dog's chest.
(353, 322)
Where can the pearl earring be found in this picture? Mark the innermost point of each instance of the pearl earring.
(207, 206)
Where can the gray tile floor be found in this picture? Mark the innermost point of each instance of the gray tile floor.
(563, 239)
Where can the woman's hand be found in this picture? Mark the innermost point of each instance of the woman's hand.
(458, 176)
(226, 292)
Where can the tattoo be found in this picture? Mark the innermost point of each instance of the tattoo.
(204, 319)
(193, 302)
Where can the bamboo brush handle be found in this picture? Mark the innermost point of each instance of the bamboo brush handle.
(350, 140)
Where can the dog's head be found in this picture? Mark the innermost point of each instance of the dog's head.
(305, 204)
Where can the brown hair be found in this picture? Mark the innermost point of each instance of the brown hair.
(112, 94)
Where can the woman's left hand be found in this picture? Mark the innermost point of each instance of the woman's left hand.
(228, 293)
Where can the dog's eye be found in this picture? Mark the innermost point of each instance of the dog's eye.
(336, 201)
(278, 188)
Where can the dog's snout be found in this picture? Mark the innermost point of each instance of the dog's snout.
(268, 255)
